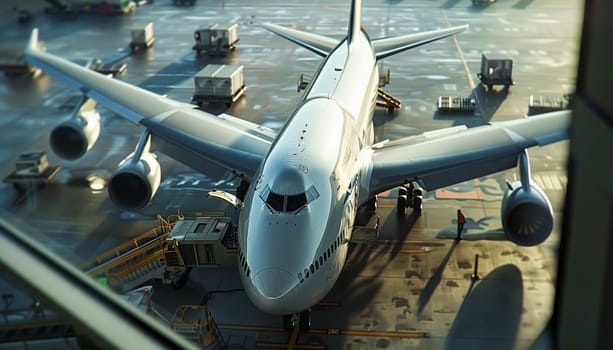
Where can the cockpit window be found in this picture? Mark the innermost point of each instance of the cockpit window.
(296, 201)
(289, 203)
(275, 201)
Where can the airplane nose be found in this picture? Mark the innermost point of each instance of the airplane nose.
(273, 283)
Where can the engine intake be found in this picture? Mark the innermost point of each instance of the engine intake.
(135, 182)
(73, 137)
(527, 217)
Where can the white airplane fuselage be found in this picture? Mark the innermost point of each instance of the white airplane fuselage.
(298, 213)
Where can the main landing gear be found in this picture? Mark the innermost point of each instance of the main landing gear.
(302, 320)
(409, 197)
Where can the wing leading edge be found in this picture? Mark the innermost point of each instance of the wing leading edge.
(444, 158)
(189, 135)
(386, 47)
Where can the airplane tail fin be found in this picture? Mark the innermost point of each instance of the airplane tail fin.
(385, 47)
(355, 20)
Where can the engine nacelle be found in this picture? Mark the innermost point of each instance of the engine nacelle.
(135, 182)
(527, 217)
(73, 137)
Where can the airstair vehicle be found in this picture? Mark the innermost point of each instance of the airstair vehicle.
(169, 251)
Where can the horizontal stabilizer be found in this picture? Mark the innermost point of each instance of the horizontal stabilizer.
(385, 47)
(319, 44)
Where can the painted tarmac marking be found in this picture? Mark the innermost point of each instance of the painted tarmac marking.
(331, 331)
(403, 251)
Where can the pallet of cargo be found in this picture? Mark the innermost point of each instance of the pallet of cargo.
(456, 104)
(544, 104)
(12, 63)
(31, 170)
(114, 69)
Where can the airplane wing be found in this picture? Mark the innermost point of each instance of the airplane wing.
(386, 47)
(319, 44)
(448, 156)
(191, 136)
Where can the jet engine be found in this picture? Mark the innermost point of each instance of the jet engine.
(73, 137)
(527, 217)
(135, 182)
(137, 179)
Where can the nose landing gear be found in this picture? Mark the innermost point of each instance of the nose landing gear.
(302, 320)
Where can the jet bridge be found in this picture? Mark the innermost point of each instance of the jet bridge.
(169, 251)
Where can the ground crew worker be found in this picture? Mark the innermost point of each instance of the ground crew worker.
(461, 222)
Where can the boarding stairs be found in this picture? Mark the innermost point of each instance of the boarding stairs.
(387, 101)
(148, 256)
(132, 263)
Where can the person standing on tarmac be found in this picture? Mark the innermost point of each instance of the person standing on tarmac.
(461, 222)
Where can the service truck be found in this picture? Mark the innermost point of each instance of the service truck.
(496, 69)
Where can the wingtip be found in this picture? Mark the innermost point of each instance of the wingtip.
(33, 41)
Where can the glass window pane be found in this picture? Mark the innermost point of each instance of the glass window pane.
(275, 201)
(296, 202)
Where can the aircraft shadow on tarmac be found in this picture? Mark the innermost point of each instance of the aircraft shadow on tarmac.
(491, 311)
(355, 293)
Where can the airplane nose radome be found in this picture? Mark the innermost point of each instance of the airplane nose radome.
(273, 283)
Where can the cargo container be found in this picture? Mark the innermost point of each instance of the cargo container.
(216, 40)
(219, 83)
(142, 37)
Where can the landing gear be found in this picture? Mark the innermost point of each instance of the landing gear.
(302, 320)
(287, 322)
(401, 204)
(241, 190)
(371, 204)
(417, 200)
(305, 320)
(409, 197)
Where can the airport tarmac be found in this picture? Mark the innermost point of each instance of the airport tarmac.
(410, 289)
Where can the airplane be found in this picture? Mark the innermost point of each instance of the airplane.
(301, 186)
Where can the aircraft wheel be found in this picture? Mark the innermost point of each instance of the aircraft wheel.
(402, 191)
(371, 204)
(402, 204)
(287, 323)
(417, 205)
(305, 320)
